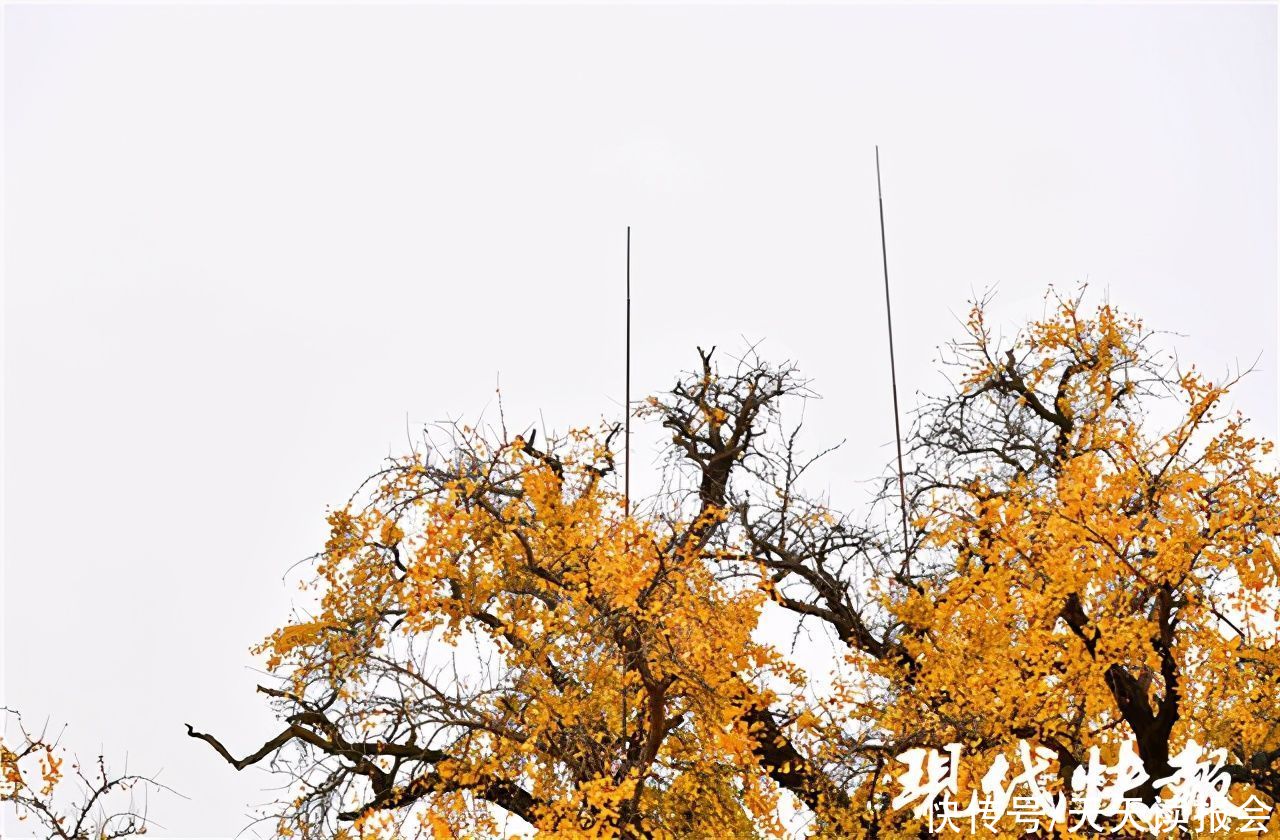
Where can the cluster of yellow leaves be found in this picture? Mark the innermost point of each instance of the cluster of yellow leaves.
(37, 769)
(1146, 543)
(624, 660)
(29, 774)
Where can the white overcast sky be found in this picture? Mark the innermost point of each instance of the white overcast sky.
(245, 247)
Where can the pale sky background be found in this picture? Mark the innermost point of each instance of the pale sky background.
(246, 246)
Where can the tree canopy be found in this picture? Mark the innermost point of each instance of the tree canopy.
(1091, 560)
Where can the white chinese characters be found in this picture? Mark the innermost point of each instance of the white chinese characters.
(1103, 798)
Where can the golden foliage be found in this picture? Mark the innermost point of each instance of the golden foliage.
(1092, 559)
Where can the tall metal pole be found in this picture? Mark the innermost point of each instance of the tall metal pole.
(893, 372)
(626, 488)
(626, 485)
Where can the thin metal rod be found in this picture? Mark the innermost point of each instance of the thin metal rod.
(893, 370)
(626, 490)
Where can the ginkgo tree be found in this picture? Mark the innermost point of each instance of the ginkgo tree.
(498, 645)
